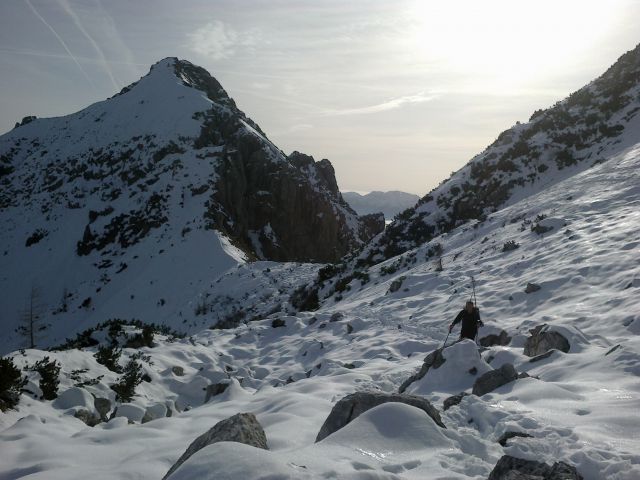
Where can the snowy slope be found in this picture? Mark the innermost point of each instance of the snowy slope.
(586, 128)
(581, 407)
(131, 206)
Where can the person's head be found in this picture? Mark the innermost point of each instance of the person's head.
(469, 306)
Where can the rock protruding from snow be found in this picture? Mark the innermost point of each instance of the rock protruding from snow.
(532, 287)
(506, 436)
(241, 428)
(501, 338)
(512, 468)
(215, 389)
(494, 379)
(433, 360)
(103, 407)
(453, 400)
(355, 404)
(542, 340)
(89, 418)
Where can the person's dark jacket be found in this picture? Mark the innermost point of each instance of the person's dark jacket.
(470, 323)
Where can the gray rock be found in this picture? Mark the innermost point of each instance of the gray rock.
(454, 400)
(241, 428)
(512, 468)
(336, 317)
(532, 287)
(177, 371)
(542, 356)
(396, 285)
(215, 389)
(91, 419)
(278, 322)
(355, 404)
(509, 435)
(433, 360)
(493, 379)
(103, 407)
(501, 339)
(542, 340)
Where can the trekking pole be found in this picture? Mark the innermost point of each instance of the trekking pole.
(445, 340)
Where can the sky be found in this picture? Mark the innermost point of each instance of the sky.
(397, 94)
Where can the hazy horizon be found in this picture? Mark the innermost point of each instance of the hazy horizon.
(396, 94)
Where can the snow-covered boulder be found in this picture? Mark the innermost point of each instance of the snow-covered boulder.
(512, 468)
(74, 397)
(493, 379)
(542, 340)
(241, 428)
(89, 418)
(450, 370)
(355, 404)
(133, 413)
(159, 410)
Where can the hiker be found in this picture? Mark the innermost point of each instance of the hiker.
(470, 318)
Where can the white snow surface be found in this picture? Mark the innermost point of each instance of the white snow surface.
(580, 407)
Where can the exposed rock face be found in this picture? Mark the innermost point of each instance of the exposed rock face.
(501, 339)
(493, 379)
(242, 428)
(433, 360)
(542, 340)
(512, 468)
(91, 419)
(355, 404)
(103, 407)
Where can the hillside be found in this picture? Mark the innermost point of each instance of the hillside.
(389, 203)
(128, 207)
(577, 133)
(576, 241)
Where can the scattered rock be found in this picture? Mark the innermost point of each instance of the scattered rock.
(508, 435)
(177, 371)
(454, 400)
(493, 379)
(542, 356)
(532, 287)
(349, 328)
(473, 371)
(242, 428)
(355, 404)
(278, 322)
(336, 317)
(433, 360)
(396, 285)
(91, 419)
(512, 468)
(103, 407)
(501, 339)
(542, 340)
(215, 389)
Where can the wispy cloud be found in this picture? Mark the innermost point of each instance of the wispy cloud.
(101, 57)
(217, 41)
(60, 40)
(385, 106)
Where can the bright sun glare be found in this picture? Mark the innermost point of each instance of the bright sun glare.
(506, 42)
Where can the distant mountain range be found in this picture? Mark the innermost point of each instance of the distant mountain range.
(389, 203)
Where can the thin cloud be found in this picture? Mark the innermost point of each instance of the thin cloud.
(217, 40)
(103, 60)
(62, 42)
(385, 106)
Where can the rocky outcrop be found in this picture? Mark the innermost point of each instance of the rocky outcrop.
(433, 360)
(532, 288)
(241, 428)
(355, 404)
(512, 468)
(542, 340)
(215, 389)
(103, 407)
(493, 379)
